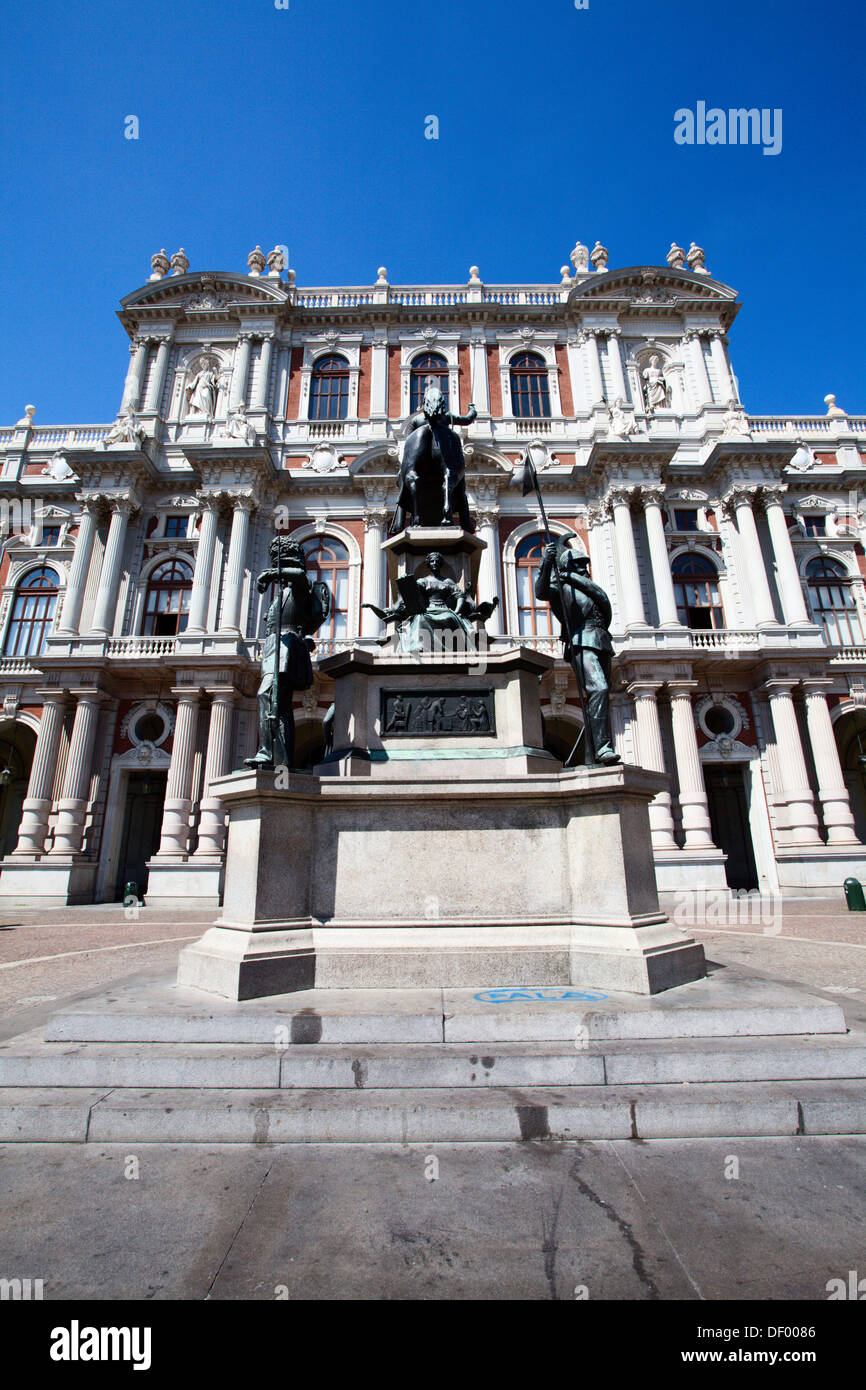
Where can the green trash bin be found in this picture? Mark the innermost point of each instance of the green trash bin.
(854, 895)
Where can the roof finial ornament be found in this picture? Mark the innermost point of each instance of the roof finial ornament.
(834, 411)
(276, 262)
(256, 261)
(676, 257)
(697, 260)
(179, 263)
(160, 265)
(474, 275)
(599, 257)
(580, 258)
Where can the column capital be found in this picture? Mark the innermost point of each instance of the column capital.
(643, 687)
(599, 514)
(191, 694)
(817, 685)
(652, 494)
(375, 517)
(679, 686)
(247, 337)
(739, 495)
(242, 499)
(619, 494)
(487, 513)
(772, 495)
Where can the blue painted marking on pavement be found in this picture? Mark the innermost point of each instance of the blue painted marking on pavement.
(533, 996)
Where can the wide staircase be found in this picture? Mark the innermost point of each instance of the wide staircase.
(729, 1055)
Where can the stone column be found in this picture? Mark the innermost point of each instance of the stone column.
(790, 590)
(106, 598)
(157, 376)
(693, 795)
(198, 603)
(260, 396)
(794, 793)
(589, 343)
(174, 838)
(37, 803)
(212, 822)
(240, 372)
(373, 575)
(135, 374)
(723, 372)
(632, 599)
(838, 817)
(478, 373)
(614, 357)
(739, 500)
(236, 565)
(699, 370)
(659, 559)
(72, 806)
(74, 597)
(489, 570)
(650, 754)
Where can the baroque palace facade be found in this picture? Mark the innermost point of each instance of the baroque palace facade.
(732, 546)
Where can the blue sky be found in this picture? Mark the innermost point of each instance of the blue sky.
(305, 127)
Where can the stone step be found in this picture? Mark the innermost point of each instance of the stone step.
(496, 1114)
(30, 1062)
(456, 1016)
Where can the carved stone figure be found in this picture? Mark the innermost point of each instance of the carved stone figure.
(584, 613)
(432, 474)
(676, 257)
(580, 258)
(297, 611)
(201, 392)
(599, 256)
(433, 605)
(621, 423)
(179, 262)
(736, 425)
(237, 426)
(803, 459)
(160, 265)
(656, 388)
(125, 430)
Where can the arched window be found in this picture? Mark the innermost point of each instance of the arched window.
(32, 613)
(329, 389)
(833, 601)
(696, 585)
(430, 369)
(533, 615)
(166, 606)
(530, 394)
(328, 559)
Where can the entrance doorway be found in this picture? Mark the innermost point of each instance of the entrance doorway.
(729, 818)
(17, 746)
(142, 821)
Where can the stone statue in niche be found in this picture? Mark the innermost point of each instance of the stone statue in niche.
(656, 389)
(432, 606)
(298, 610)
(433, 473)
(201, 392)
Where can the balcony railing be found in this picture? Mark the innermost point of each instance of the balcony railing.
(131, 647)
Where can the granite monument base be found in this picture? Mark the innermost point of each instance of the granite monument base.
(437, 880)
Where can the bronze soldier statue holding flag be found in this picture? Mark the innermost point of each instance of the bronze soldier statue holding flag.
(584, 613)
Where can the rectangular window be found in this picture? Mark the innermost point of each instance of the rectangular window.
(176, 525)
(50, 535)
(686, 518)
(815, 525)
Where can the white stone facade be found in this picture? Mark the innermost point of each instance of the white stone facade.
(752, 698)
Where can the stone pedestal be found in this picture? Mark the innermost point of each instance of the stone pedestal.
(439, 857)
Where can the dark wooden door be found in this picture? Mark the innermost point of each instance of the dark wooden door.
(729, 817)
(145, 795)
